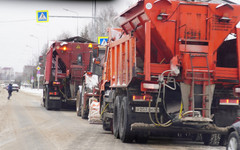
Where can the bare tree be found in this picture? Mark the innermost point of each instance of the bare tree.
(105, 20)
(84, 33)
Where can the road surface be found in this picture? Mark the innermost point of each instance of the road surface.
(26, 125)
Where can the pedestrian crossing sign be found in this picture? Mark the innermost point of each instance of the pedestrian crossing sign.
(42, 16)
(102, 40)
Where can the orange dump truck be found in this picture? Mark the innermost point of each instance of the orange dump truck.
(172, 69)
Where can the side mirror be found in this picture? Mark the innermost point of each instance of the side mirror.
(95, 52)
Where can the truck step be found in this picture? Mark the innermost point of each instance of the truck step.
(201, 109)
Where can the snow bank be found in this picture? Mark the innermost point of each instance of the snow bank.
(37, 92)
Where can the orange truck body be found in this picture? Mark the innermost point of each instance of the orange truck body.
(187, 39)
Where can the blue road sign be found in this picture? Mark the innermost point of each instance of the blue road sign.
(102, 40)
(42, 16)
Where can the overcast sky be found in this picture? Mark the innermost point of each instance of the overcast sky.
(21, 37)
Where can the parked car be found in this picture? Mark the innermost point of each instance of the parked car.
(15, 87)
(233, 142)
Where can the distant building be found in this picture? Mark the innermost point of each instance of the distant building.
(7, 73)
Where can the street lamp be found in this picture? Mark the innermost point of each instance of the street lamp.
(33, 36)
(75, 13)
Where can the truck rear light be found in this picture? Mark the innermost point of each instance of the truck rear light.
(53, 93)
(64, 48)
(141, 98)
(56, 83)
(89, 73)
(229, 102)
(151, 86)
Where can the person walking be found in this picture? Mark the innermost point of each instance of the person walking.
(9, 90)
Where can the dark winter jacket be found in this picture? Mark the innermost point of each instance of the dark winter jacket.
(9, 88)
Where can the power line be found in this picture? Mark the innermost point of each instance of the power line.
(74, 17)
(10, 21)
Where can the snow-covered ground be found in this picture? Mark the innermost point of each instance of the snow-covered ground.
(37, 92)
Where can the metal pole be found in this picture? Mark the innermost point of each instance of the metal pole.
(38, 80)
(94, 4)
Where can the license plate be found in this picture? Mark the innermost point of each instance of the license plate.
(54, 98)
(146, 109)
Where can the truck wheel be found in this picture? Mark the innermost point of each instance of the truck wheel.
(125, 134)
(116, 116)
(47, 99)
(105, 123)
(106, 126)
(43, 99)
(78, 105)
(47, 102)
(84, 113)
(233, 141)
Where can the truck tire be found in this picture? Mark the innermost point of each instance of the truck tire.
(116, 116)
(47, 99)
(78, 104)
(233, 141)
(106, 125)
(84, 113)
(43, 99)
(125, 133)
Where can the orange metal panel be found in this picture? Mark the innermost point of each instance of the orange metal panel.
(193, 21)
(122, 61)
(238, 51)
(193, 48)
(226, 73)
(157, 69)
(190, 27)
(126, 68)
(147, 55)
